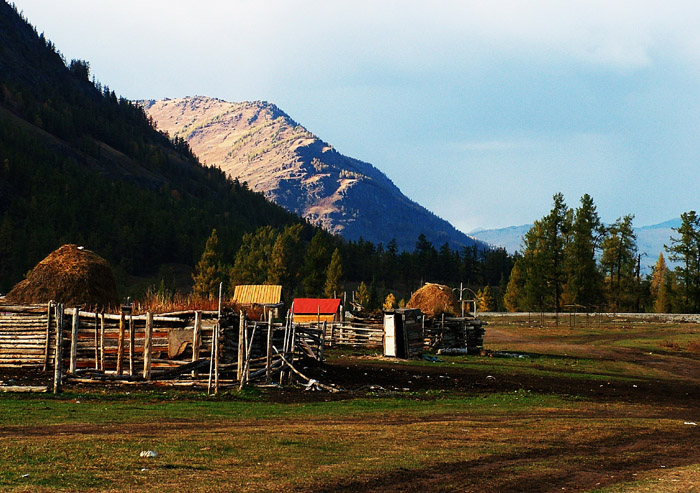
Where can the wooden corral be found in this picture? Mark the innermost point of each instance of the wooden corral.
(196, 346)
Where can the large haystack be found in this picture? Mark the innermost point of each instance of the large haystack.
(70, 275)
(434, 300)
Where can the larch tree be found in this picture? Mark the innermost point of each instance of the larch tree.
(659, 286)
(513, 298)
(334, 275)
(486, 300)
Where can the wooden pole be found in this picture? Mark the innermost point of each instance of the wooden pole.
(217, 328)
(196, 340)
(74, 340)
(132, 339)
(148, 347)
(211, 360)
(120, 343)
(268, 361)
(97, 342)
(241, 346)
(218, 333)
(102, 341)
(323, 342)
(58, 355)
(47, 344)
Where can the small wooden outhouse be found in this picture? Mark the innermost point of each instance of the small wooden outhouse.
(403, 333)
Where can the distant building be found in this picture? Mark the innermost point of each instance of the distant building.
(313, 309)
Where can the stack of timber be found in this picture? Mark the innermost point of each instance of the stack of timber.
(455, 332)
(25, 335)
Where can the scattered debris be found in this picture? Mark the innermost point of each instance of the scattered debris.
(149, 453)
(691, 423)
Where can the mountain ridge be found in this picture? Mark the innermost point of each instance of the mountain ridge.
(260, 144)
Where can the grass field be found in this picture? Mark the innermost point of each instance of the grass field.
(606, 408)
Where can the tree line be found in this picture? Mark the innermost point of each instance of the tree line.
(328, 266)
(571, 261)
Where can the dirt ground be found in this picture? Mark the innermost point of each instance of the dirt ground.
(615, 459)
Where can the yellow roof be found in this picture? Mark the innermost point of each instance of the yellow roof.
(257, 294)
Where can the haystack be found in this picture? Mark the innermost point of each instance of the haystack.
(70, 275)
(434, 300)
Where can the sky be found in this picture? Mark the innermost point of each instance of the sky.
(478, 110)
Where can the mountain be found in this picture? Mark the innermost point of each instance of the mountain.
(650, 239)
(80, 165)
(258, 143)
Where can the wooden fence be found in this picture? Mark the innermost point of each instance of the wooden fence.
(86, 346)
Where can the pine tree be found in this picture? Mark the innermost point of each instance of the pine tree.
(619, 263)
(686, 250)
(334, 275)
(544, 257)
(286, 259)
(315, 265)
(254, 257)
(207, 273)
(584, 282)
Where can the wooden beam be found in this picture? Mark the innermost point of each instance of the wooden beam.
(196, 340)
(48, 337)
(120, 344)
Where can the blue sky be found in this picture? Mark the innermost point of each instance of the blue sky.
(480, 111)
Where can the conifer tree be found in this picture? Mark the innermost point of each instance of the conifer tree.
(207, 274)
(486, 300)
(334, 275)
(659, 286)
(686, 250)
(389, 302)
(619, 263)
(285, 262)
(362, 295)
(513, 298)
(315, 265)
(584, 282)
(254, 257)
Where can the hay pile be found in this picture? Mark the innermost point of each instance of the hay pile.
(69, 275)
(434, 300)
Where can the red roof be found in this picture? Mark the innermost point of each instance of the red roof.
(313, 305)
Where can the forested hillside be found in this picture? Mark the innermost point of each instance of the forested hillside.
(79, 164)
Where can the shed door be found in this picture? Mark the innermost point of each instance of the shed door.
(390, 335)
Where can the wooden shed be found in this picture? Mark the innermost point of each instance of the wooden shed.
(403, 333)
(258, 299)
(314, 309)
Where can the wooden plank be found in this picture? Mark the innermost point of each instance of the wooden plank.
(196, 340)
(120, 347)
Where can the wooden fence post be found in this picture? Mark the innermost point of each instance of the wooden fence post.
(47, 345)
(74, 340)
(102, 341)
(97, 341)
(241, 345)
(120, 343)
(196, 340)
(58, 355)
(147, 347)
(268, 360)
(323, 342)
(132, 340)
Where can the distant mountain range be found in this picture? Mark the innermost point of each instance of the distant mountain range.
(258, 143)
(650, 239)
